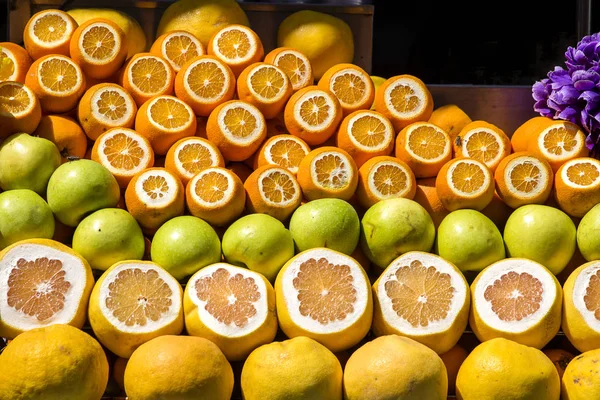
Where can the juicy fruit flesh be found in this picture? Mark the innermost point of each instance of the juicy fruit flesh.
(287, 153)
(427, 142)
(123, 152)
(180, 48)
(315, 110)
(169, 113)
(137, 296)
(390, 179)
(293, 66)
(229, 298)
(211, 187)
(50, 28)
(149, 75)
(468, 177)
(421, 294)
(38, 288)
(515, 296)
(558, 141)
(112, 105)
(156, 187)
(234, 44)
(483, 146)
(349, 87)
(278, 187)
(240, 122)
(13, 99)
(325, 291)
(206, 80)
(99, 43)
(7, 66)
(58, 75)
(267, 82)
(526, 177)
(369, 131)
(592, 295)
(331, 171)
(583, 173)
(404, 99)
(194, 157)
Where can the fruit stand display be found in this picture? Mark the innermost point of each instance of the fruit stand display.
(208, 200)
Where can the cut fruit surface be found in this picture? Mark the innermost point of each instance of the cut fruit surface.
(559, 142)
(424, 297)
(15, 62)
(295, 65)
(265, 86)
(191, 155)
(49, 32)
(237, 46)
(177, 47)
(483, 142)
(20, 110)
(274, 191)
(285, 151)
(404, 99)
(465, 183)
(147, 75)
(424, 147)
(351, 85)
(577, 186)
(383, 178)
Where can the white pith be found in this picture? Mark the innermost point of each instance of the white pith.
(456, 281)
(124, 95)
(49, 90)
(30, 95)
(301, 56)
(579, 292)
(314, 175)
(285, 172)
(165, 65)
(163, 47)
(389, 131)
(151, 326)
(255, 134)
(568, 164)
(13, 58)
(543, 180)
(159, 202)
(486, 182)
(75, 274)
(418, 92)
(467, 137)
(261, 305)
(236, 60)
(307, 96)
(66, 37)
(359, 284)
(350, 71)
(496, 271)
(268, 148)
(281, 92)
(371, 180)
(173, 100)
(144, 162)
(444, 154)
(227, 195)
(214, 157)
(206, 100)
(114, 50)
(579, 138)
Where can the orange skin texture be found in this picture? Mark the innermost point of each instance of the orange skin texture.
(269, 110)
(203, 109)
(156, 48)
(240, 169)
(65, 133)
(104, 70)
(255, 203)
(28, 123)
(453, 359)
(450, 118)
(366, 198)
(451, 201)
(420, 168)
(427, 196)
(458, 149)
(141, 98)
(560, 358)
(575, 202)
(36, 51)
(270, 59)
(239, 67)
(497, 211)
(325, 83)
(527, 131)
(22, 59)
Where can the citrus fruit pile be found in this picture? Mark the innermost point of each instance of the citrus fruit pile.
(214, 213)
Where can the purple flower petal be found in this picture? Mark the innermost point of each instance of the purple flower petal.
(569, 114)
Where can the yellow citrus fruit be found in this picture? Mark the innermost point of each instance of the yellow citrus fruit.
(465, 183)
(324, 295)
(14, 62)
(423, 297)
(383, 178)
(298, 368)
(190, 155)
(231, 306)
(134, 302)
(237, 46)
(45, 283)
(146, 75)
(295, 65)
(424, 147)
(450, 118)
(580, 381)
(395, 367)
(49, 32)
(527, 132)
(20, 109)
(577, 184)
(177, 47)
(558, 142)
(65, 133)
(351, 85)
(377, 82)
(483, 142)
(285, 151)
(265, 86)
(324, 39)
(516, 299)
(53, 363)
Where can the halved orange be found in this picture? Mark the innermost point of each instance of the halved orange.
(274, 191)
(49, 32)
(351, 85)
(577, 186)
(190, 155)
(265, 86)
(328, 172)
(404, 99)
(465, 183)
(163, 120)
(99, 47)
(177, 47)
(527, 132)
(524, 178)
(237, 46)
(57, 81)
(204, 83)
(216, 195)
(237, 129)
(20, 109)
(424, 147)
(384, 177)
(14, 62)
(65, 133)
(285, 151)
(559, 142)
(483, 142)
(313, 115)
(295, 65)
(124, 152)
(365, 134)
(146, 75)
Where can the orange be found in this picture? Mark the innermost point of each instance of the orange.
(328, 172)
(153, 197)
(424, 147)
(14, 62)
(497, 211)
(190, 155)
(204, 83)
(20, 109)
(265, 86)
(276, 126)
(295, 65)
(351, 85)
(274, 191)
(65, 133)
(49, 32)
(404, 99)
(201, 127)
(99, 47)
(216, 195)
(146, 75)
(527, 132)
(285, 151)
(384, 177)
(560, 358)
(105, 106)
(426, 195)
(365, 134)
(451, 119)
(313, 115)
(237, 46)
(163, 120)
(559, 142)
(524, 178)
(483, 142)
(453, 359)
(465, 183)
(177, 47)
(577, 184)
(237, 129)
(124, 152)
(57, 81)
(240, 169)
